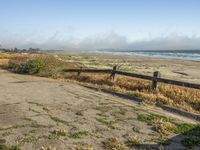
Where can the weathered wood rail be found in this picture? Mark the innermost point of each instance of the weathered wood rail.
(156, 78)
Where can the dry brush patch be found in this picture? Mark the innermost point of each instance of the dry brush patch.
(180, 97)
(37, 64)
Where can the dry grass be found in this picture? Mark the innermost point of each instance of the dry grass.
(113, 144)
(49, 66)
(38, 64)
(5, 56)
(180, 97)
(134, 141)
(82, 147)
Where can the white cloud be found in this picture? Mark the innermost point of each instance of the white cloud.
(111, 40)
(171, 42)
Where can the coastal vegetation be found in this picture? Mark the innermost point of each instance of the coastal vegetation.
(50, 66)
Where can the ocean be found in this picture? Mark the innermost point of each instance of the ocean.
(193, 55)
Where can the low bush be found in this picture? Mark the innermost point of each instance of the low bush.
(41, 65)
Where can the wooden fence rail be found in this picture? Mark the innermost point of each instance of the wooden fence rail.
(156, 78)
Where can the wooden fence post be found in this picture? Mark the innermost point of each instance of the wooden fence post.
(155, 84)
(112, 76)
(79, 72)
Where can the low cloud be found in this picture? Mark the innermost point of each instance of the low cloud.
(171, 42)
(108, 40)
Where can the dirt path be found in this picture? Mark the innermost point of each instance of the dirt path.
(39, 112)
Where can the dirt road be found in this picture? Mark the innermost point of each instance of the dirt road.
(39, 112)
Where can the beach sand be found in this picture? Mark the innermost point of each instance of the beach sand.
(182, 70)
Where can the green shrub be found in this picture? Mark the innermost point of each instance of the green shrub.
(31, 66)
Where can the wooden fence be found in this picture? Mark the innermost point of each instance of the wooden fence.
(156, 78)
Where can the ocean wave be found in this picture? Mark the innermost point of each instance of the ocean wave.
(176, 54)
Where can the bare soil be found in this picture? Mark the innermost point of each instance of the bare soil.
(40, 112)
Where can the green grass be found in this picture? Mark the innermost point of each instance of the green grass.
(165, 125)
(187, 128)
(150, 118)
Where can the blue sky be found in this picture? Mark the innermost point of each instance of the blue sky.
(93, 24)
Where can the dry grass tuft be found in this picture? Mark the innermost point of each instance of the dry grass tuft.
(163, 127)
(113, 144)
(82, 147)
(134, 141)
(48, 148)
(60, 132)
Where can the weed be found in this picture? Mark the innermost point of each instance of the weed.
(187, 128)
(150, 118)
(164, 127)
(82, 147)
(113, 144)
(48, 148)
(134, 141)
(60, 132)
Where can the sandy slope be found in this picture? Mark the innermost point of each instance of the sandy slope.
(32, 108)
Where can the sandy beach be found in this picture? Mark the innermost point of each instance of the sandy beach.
(183, 70)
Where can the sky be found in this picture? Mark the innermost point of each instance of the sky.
(100, 24)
